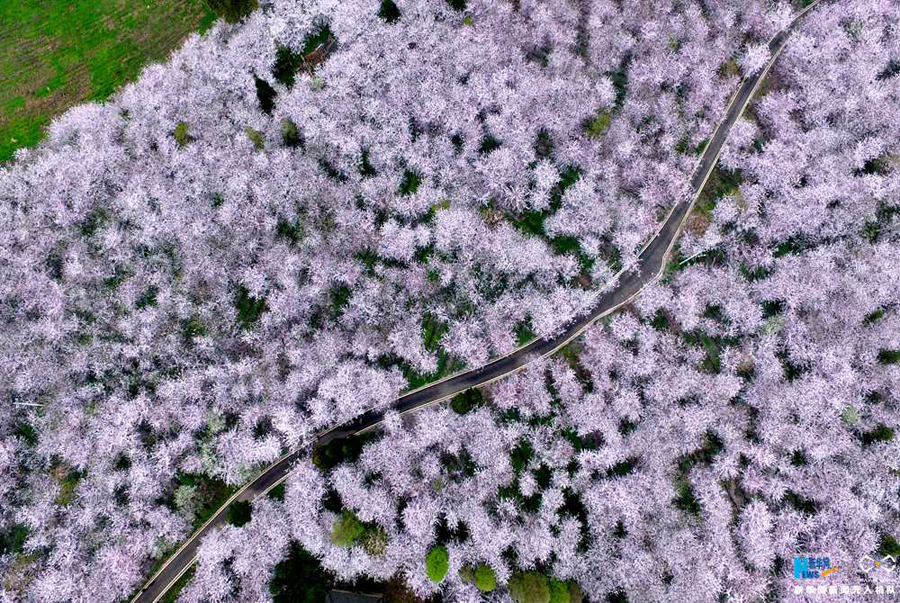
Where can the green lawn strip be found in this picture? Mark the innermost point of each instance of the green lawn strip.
(55, 54)
(175, 590)
(524, 332)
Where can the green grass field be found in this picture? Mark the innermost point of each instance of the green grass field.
(58, 53)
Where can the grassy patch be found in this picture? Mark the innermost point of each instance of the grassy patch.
(286, 65)
(524, 333)
(889, 356)
(26, 432)
(521, 455)
(445, 367)
(175, 590)
(881, 433)
(713, 346)
(489, 144)
(432, 331)
(210, 495)
(721, 183)
(55, 54)
(458, 467)
(410, 183)
(249, 308)
(620, 82)
(290, 231)
(182, 135)
(277, 493)
(233, 10)
(889, 546)
(532, 221)
(256, 137)
(874, 317)
(802, 504)
(884, 219)
(68, 482)
(348, 531)
(290, 135)
(598, 126)
(13, 539)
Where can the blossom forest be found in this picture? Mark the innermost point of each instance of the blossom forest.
(321, 205)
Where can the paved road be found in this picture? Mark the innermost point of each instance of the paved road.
(630, 283)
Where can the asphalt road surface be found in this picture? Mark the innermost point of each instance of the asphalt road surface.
(653, 260)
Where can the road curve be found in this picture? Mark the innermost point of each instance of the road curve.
(630, 283)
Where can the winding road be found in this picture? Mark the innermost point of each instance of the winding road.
(653, 260)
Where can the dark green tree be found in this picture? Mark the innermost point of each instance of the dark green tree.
(239, 513)
(299, 578)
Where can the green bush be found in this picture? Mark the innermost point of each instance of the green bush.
(389, 11)
(485, 579)
(256, 137)
(889, 356)
(881, 433)
(286, 65)
(277, 492)
(239, 513)
(265, 94)
(182, 137)
(290, 135)
(436, 563)
(466, 401)
(347, 530)
(529, 587)
(232, 10)
(481, 576)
